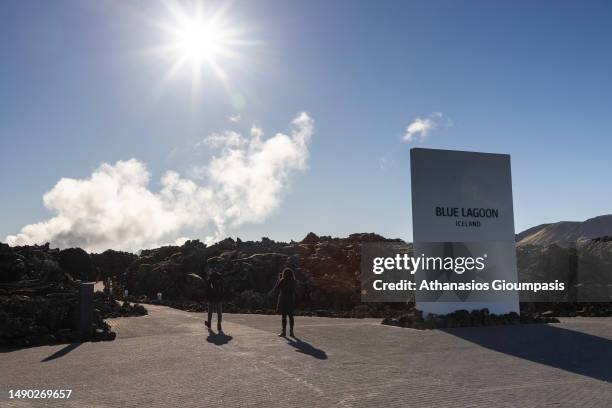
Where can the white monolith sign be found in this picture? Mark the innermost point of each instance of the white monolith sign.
(462, 207)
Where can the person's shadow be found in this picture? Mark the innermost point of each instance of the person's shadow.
(62, 352)
(306, 348)
(218, 339)
(569, 350)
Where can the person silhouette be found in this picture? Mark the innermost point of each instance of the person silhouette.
(214, 292)
(285, 288)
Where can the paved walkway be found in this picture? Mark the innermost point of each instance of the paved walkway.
(168, 359)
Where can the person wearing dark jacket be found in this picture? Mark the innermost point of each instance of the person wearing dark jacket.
(286, 287)
(214, 293)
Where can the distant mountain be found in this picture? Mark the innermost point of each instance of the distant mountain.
(566, 233)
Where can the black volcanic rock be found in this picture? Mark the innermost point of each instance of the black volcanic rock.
(107, 307)
(38, 297)
(77, 263)
(369, 237)
(111, 264)
(462, 318)
(327, 269)
(310, 238)
(166, 270)
(586, 269)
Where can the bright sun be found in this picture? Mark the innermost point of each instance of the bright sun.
(200, 39)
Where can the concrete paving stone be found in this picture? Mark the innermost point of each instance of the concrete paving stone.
(168, 359)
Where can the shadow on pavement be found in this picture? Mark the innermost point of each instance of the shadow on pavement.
(306, 348)
(557, 347)
(62, 352)
(218, 339)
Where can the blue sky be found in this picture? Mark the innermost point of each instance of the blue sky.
(531, 79)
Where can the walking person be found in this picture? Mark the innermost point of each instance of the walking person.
(286, 287)
(214, 293)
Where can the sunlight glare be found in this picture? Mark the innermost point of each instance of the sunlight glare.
(199, 40)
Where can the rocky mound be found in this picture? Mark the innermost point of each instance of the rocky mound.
(566, 233)
(38, 298)
(586, 268)
(107, 307)
(111, 264)
(327, 269)
(583, 309)
(463, 318)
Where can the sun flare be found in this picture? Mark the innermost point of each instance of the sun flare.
(200, 39)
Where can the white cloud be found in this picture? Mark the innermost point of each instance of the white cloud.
(256, 132)
(420, 128)
(228, 138)
(234, 118)
(114, 207)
